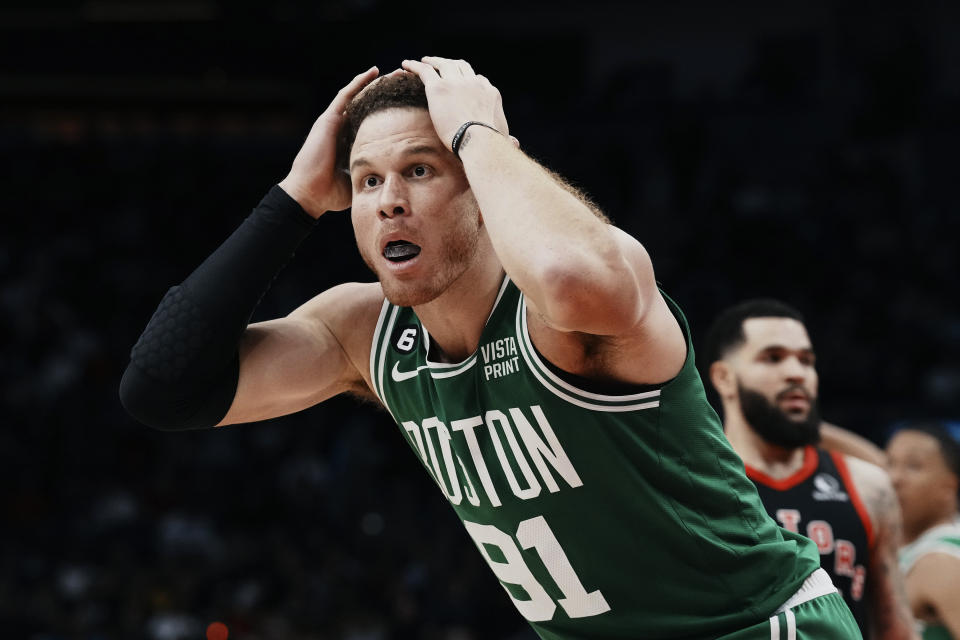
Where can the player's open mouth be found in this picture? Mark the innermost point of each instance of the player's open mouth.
(400, 251)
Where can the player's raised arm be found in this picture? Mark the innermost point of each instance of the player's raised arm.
(189, 368)
(847, 442)
(578, 272)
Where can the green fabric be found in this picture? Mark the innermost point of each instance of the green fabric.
(936, 632)
(944, 538)
(823, 618)
(617, 516)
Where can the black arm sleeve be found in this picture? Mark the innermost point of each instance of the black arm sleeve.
(183, 370)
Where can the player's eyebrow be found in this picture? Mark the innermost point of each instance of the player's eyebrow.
(784, 348)
(419, 149)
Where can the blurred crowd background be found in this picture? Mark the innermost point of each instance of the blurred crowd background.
(805, 151)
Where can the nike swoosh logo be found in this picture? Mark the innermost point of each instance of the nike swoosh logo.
(400, 376)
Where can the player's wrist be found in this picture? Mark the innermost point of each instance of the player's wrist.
(301, 196)
(461, 139)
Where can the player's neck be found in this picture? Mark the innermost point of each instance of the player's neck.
(772, 460)
(456, 318)
(912, 531)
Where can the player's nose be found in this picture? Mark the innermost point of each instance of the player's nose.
(393, 198)
(794, 370)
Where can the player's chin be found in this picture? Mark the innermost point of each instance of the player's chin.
(406, 294)
(797, 415)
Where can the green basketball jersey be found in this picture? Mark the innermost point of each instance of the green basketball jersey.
(603, 516)
(944, 538)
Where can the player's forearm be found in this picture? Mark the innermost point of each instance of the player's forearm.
(889, 606)
(549, 241)
(183, 370)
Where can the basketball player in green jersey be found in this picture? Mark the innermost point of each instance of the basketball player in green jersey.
(924, 463)
(522, 346)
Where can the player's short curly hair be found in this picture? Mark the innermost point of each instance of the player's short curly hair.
(726, 332)
(406, 90)
(387, 92)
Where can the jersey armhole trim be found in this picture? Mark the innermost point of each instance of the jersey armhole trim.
(844, 470)
(568, 392)
(378, 352)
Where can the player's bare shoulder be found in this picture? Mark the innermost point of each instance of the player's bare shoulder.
(350, 312)
(875, 489)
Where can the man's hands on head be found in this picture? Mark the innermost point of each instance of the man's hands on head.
(456, 94)
(314, 181)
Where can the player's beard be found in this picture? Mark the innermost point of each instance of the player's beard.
(457, 251)
(772, 424)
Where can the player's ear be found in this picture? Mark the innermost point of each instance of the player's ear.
(516, 143)
(722, 378)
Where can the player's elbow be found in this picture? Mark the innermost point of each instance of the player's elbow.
(176, 407)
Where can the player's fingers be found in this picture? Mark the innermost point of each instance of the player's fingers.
(425, 71)
(448, 67)
(465, 68)
(346, 94)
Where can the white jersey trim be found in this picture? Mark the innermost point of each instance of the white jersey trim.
(375, 347)
(817, 584)
(555, 385)
(456, 368)
(931, 541)
(384, 343)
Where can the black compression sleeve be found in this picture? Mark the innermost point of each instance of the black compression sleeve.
(183, 370)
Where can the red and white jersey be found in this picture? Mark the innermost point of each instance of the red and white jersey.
(821, 502)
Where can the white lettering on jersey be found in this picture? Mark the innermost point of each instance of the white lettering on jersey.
(789, 519)
(438, 447)
(467, 426)
(533, 487)
(538, 449)
(844, 551)
(443, 434)
(534, 534)
(821, 532)
(407, 340)
(844, 556)
(500, 358)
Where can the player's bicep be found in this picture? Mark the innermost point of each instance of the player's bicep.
(641, 338)
(313, 354)
(604, 293)
(287, 365)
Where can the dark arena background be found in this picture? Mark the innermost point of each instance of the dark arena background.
(806, 151)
